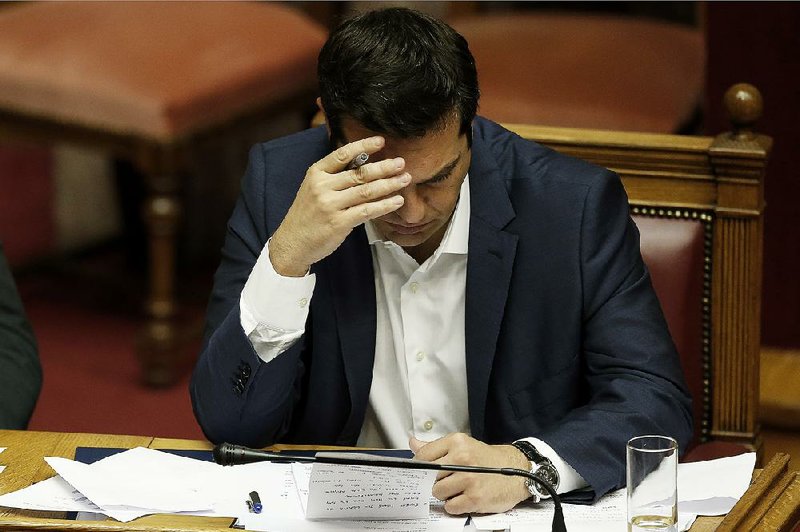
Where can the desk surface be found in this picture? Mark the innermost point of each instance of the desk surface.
(24, 463)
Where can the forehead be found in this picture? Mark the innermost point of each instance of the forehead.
(442, 143)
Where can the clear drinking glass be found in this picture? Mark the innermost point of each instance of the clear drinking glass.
(652, 483)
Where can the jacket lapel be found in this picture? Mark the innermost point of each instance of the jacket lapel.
(352, 286)
(489, 265)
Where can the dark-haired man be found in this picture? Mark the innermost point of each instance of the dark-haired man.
(470, 294)
(20, 370)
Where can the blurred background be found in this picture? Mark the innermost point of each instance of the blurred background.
(70, 215)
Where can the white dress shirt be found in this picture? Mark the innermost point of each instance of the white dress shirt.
(419, 382)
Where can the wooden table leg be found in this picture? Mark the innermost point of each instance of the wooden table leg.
(158, 347)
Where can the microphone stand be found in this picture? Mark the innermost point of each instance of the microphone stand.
(228, 454)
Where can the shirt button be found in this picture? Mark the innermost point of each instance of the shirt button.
(420, 355)
(428, 425)
(303, 302)
(414, 287)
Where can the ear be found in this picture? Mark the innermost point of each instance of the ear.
(321, 118)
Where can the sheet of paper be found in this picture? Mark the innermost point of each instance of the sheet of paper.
(704, 488)
(609, 511)
(2, 466)
(685, 521)
(302, 477)
(437, 521)
(274, 484)
(362, 492)
(141, 479)
(714, 486)
(580, 526)
(54, 494)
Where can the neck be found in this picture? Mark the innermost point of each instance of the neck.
(423, 252)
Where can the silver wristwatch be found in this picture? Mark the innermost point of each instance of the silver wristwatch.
(542, 467)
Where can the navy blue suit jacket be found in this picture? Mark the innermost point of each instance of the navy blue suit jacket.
(565, 339)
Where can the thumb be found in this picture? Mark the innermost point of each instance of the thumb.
(416, 444)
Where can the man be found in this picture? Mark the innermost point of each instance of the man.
(20, 371)
(463, 291)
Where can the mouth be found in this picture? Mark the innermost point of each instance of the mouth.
(407, 229)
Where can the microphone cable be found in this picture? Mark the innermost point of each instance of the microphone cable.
(228, 454)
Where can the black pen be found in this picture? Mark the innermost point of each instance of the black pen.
(254, 503)
(359, 160)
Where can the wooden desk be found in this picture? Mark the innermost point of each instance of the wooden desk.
(25, 465)
(23, 458)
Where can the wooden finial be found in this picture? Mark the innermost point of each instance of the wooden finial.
(744, 106)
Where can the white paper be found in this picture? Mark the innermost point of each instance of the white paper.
(302, 477)
(140, 480)
(685, 521)
(54, 494)
(2, 466)
(363, 492)
(713, 487)
(704, 488)
(580, 526)
(608, 512)
(273, 482)
(437, 521)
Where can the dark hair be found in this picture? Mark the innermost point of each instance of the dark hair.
(397, 72)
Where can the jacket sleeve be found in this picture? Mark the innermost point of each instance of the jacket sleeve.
(235, 396)
(631, 367)
(20, 370)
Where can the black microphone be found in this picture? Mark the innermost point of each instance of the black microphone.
(228, 454)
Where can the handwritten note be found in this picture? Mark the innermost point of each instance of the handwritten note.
(436, 521)
(363, 492)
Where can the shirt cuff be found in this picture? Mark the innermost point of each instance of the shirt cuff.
(569, 479)
(271, 300)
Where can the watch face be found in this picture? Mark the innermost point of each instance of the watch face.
(549, 474)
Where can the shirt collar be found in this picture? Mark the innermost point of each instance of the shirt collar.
(456, 238)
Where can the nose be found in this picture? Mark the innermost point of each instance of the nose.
(413, 209)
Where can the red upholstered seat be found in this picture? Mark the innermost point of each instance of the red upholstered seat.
(153, 69)
(586, 71)
(674, 251)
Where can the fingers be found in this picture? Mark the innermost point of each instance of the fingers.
(461, 504)
(359, 214)
(462, 493)
(338, 160)
(439, 448)
(371, 191)
(449, 487)
(416, 444)
(368, 173)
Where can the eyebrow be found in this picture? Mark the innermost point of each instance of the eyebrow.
(444, 173)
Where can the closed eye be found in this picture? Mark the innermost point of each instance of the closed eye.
(442, 174)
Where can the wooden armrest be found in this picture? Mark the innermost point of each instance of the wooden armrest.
(772, 502)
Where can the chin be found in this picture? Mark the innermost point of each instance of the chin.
(408, 241)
